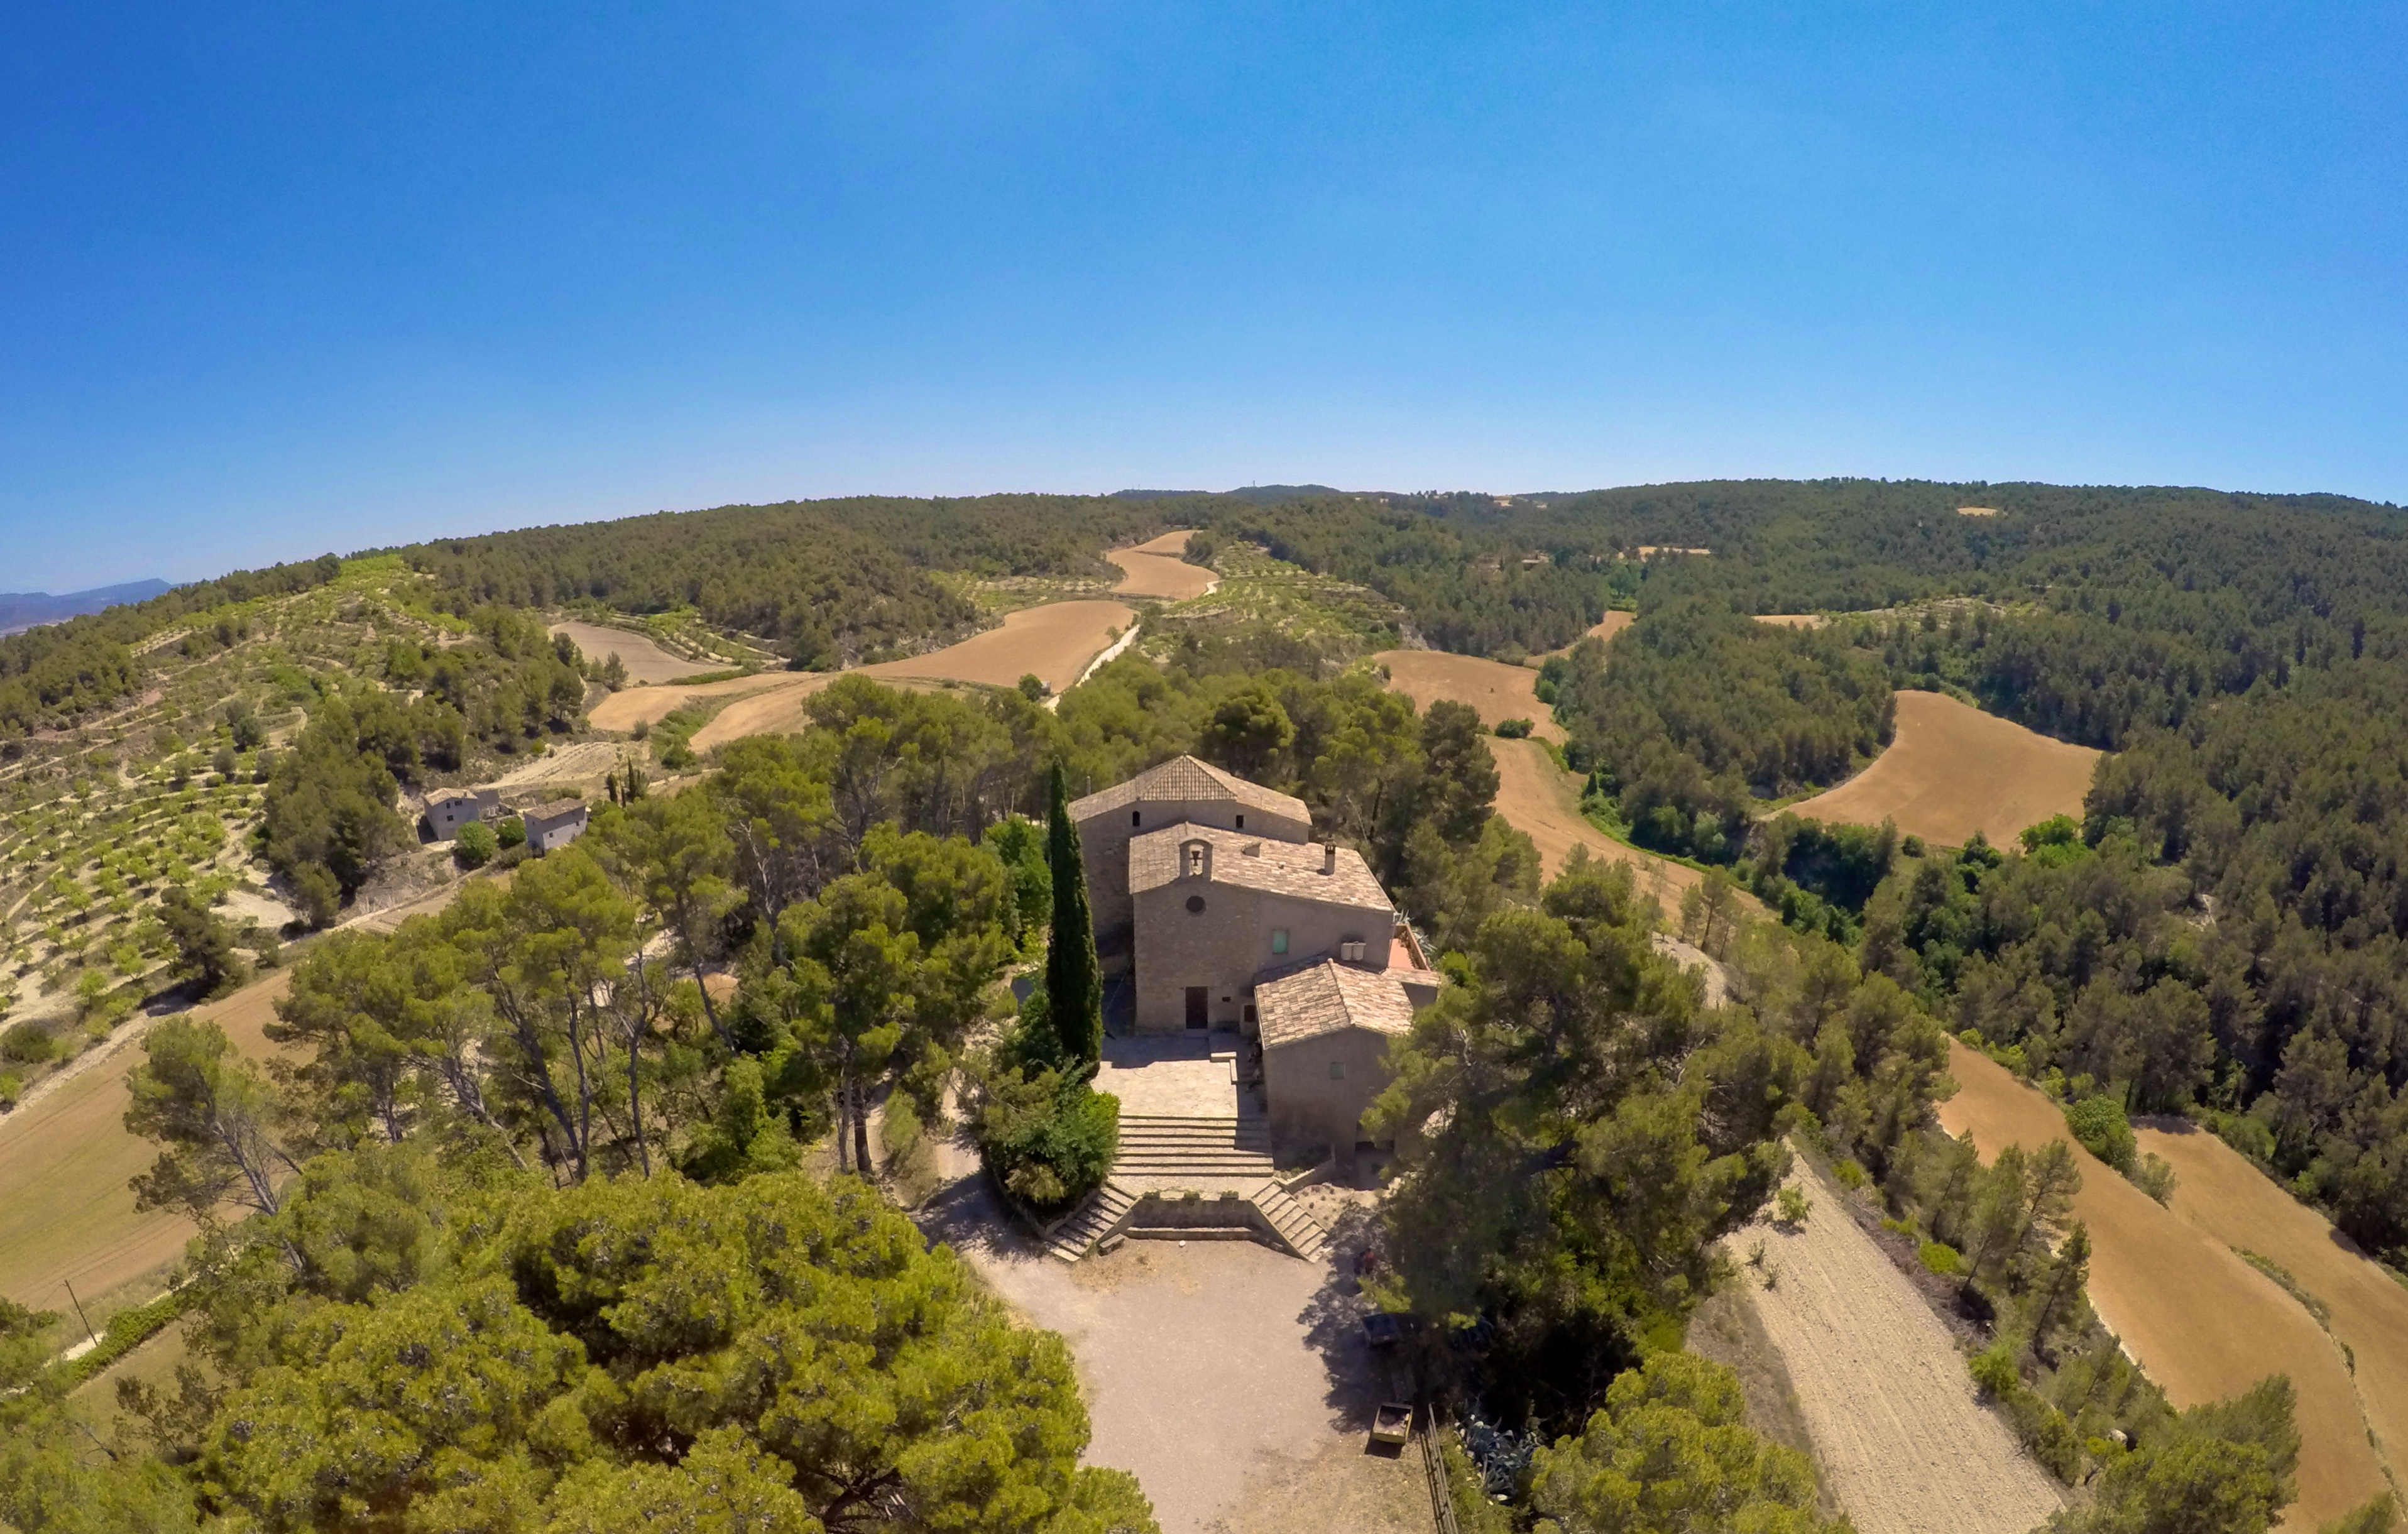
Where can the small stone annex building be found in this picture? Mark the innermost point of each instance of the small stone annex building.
(1211, 896)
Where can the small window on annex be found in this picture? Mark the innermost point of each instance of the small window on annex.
(1279, 940)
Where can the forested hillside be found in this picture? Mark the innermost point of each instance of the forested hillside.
(1695, 712)
(829, 583)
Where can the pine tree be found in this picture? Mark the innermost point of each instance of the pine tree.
(2067, 1276)
(1074, 986)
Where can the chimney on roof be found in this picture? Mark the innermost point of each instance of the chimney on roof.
(1329, 857)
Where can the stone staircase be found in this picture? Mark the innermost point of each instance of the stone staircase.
(1161, 1146)
(1304, 1235)
(1099, 1216)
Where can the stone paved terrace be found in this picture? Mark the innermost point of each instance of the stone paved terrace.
(1173, 1077)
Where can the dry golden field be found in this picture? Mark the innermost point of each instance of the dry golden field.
(1953, 770)
(2233, 1202)
(2202, 1323)
(67, 1216)
(1156, 569)
(1498, 691)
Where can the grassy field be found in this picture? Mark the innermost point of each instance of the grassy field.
(1953, 771)
(2200, 1321)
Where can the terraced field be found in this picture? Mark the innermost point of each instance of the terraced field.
(644, 659)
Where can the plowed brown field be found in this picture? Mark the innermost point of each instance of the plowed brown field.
(645, 661)
(1951, 770)
(2235, 1203)
(2202, 1323)
(1156, 569)
(67, 1215)
(1902, 1444)
(625, 711)
(1498, 691)
(1055, 641)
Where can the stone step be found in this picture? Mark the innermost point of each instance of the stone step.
(1105, 1208)
(1306, 1236)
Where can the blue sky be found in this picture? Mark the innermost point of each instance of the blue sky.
(285, 279)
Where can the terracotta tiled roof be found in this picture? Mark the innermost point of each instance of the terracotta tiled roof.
(1328, 997)
(1260, 863)
(1185, 779)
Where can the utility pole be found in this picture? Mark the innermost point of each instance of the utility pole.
(87, 1319)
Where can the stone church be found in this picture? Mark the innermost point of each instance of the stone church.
(1212, 897)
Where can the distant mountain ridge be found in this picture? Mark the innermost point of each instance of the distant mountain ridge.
(22, 609)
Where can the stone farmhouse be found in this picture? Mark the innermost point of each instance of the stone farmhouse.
(554, 824)
(1213, 900)
(448, 811)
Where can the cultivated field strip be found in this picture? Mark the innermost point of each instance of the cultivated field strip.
(1902, 1444)
(2204, 1325)
(1156, 569)
(2234, 1203)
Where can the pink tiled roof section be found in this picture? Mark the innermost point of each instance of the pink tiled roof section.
(1328, 997)
(1261, 863)
(1183, 779)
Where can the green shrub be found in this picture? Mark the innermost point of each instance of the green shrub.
(126, 1330)
(1514, 729)
(511, 832)
(2154, 1176)
(1791, 1205)
(2098, 1123)
(1994, 1370)
(1045, 1134)
(1850, 1176)
(1941, 1258)
(27, 1043)
(12, 1087)
(476, 844)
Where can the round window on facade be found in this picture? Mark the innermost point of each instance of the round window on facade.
(1195, 905)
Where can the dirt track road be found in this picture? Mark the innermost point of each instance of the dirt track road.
(1156, 569)
(1902, 1441)
(2202, 1323)
(1951, 770)
(2235, 1203)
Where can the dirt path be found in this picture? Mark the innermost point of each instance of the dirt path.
(1498, 692)
(1951, 770)
(2235, 1203)
(1901, 1439)
(1157, 569)
(2202, 1323)
(644, 659)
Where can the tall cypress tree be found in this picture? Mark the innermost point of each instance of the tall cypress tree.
(1074, 984)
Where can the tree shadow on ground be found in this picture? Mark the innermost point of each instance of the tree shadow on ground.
(966, 1215)
(1360, 1376)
